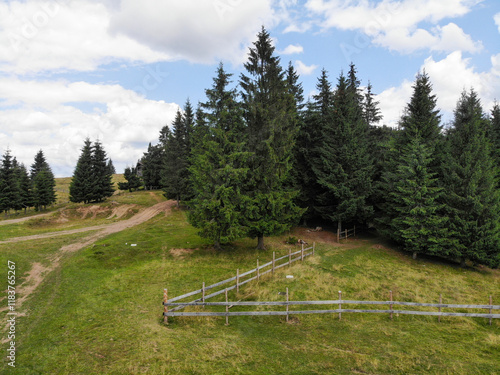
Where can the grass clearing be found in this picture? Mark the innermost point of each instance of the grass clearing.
(100, 311)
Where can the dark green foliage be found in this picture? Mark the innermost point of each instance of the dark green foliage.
(102, 176)
(419, 123)
(317, 116)
(418, 226)
(272, 129)
(344, 168)
(81, 187)
(10, 194)
(92, 178)
(26, 188)
(495, 132)
(471, 194)
(421, 119)
(175, 173)
(152, 164)
(218, 169)
(43, 186)
(111, 167)
(133, 180)
(371, 111)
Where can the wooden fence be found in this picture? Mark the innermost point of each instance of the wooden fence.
(344, 234)
(340, 302)
(238, 279)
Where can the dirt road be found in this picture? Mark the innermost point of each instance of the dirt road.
(38, 271)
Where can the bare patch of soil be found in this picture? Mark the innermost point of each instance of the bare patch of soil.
(180, 253)
(120, 211)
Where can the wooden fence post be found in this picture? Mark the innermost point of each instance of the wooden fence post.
(165, 307)
(274, 260)
(440, 302)
(287, 299)
(340, 305)
(491, 303)
(338, 235)
(346, 234)
(203, 293)
(290, 257)
(227, 310)
(390, 296)
(258, 270)
(314, 245)
(238, 280)
(302, 253)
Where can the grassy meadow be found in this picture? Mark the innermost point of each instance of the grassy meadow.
(100, 310)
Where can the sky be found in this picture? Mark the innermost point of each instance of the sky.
(118, 70)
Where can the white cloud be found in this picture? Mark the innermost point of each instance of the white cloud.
(449, 77)
(497, 21)
(292, 49)
(31, 120)
(200, 31)
(394, 24)
(38, 36)
(304, 69)
(82, 35)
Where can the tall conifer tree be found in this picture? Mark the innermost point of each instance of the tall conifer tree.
(344, 169)
(471, 194)
(218, 169)
(272, 130)
(44, 186)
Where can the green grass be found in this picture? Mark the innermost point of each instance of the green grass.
(100, 311)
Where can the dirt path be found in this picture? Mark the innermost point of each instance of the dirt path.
(38, 271)
(137, 219)
(15, 221)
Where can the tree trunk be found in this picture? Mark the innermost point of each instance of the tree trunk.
(217, 245)
(415, 255)
(178, 202)
(260, 243)
(339, 226)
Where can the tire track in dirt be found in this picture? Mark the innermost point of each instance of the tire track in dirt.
(38, 271)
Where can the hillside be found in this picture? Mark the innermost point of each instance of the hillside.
(89, 302)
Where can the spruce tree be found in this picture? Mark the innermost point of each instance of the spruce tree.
(175, 174)
(218, 169)
(102, 178)
(495, 133)
(111, 167)
(10, 194)
(371, 111)
(420, 122)
(43, 188)
(26, 188)
(418, 225)
(82, 184)
(317, 116)
(421, 117)
(272, 130)
(344, 169)
(471, 195)
(152, 164)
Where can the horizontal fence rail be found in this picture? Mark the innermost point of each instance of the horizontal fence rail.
(339, 311)
(344, 234)
(272, 265)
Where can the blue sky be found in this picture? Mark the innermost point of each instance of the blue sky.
(118, 70)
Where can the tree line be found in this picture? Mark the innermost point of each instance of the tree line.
(23, 190)
(255, 159)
